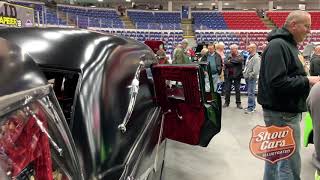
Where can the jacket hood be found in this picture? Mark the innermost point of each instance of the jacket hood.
(282, 33)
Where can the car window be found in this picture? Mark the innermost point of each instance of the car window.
(31, 143)
(64, 85)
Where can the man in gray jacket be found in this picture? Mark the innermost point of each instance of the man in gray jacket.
(250, 73)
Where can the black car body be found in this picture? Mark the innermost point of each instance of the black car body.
(107, 93)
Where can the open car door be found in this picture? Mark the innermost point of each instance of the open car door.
(192, 115)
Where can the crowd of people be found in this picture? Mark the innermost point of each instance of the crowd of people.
(228, 68)
(287, 86)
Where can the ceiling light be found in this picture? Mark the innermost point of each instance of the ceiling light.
(100, 0)
(200, 4)
(128, 0)
(227, 4)
(213, 4)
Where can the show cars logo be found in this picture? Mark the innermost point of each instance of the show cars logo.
(272, 143)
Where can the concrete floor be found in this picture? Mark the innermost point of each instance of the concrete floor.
(228, 156)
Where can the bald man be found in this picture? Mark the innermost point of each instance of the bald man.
(284, 87)
(315, 62)
(250, 73)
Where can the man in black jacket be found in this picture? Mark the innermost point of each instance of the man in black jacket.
(215, 63)
(284, 87)
(233, 73)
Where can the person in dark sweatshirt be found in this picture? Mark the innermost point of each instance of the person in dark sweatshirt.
(283, 87)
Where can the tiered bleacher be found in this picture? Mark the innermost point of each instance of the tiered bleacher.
(208, 20)
(51, 17)
(155, 20)
(229, 27)
(278, 18)
(169, 37)
(228, 37)
(243, 20)
(90, 17)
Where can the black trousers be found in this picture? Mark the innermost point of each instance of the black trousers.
(227, 87)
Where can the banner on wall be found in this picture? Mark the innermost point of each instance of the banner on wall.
(16, 16)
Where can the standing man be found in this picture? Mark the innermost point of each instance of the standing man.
(232, 74)
(284, 87)
(215, 63)
(250, 73)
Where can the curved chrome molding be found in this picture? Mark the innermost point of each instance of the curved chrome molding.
(134, 88)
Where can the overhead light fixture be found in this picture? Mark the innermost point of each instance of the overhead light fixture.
(213, 4)
(100, 0)
(128, 0)
(227, 4)
(200, 4)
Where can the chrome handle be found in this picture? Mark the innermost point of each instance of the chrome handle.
(134, 89)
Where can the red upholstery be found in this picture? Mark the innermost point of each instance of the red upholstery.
(23, 143)
(188, 128)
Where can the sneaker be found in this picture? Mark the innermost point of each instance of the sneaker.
(248, 111)
(247, 108)
(225, 105)
(316, 176)
(239, 106)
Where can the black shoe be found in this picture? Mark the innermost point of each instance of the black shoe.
(225, 105)
(239, 106)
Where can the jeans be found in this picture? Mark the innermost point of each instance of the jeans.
(215, 79)
(228, 82)
(290, 168)
(251, 86)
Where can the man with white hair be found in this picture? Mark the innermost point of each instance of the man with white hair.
(232, 75)
(315, 62)
(284, 87)
(250, 73)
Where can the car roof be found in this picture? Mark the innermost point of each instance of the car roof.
(18, 72)
(73, 49)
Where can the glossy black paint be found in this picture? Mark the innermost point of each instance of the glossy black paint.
(107, 65)
(18, 71)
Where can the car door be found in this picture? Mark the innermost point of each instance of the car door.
(192, 115)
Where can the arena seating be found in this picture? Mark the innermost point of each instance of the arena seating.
(229, 27)
(241, 38)
(278, 17)
(169, 37)
(92, 17)
(52, 17)
(155, 20)
(227, 20)
(243, 20)
(208, 20)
